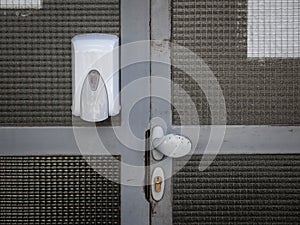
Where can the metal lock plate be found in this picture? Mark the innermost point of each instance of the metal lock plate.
(157, 184)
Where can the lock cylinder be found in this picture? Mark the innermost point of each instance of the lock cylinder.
(158, 184)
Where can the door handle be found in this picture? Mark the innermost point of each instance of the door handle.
(170, 145)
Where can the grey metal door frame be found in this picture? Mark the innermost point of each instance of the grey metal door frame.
(135, 17)
(237, 140)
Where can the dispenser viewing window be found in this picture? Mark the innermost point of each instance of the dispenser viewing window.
(95, 76)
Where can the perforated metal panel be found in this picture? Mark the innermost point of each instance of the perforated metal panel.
(238, 189)
(59, 190)
(35, 58)
(256, 91)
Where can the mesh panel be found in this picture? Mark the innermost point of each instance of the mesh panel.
(238, 189)
(256, 91)
(59, 190)
(35, 58)
(273, 28)
(20, 4)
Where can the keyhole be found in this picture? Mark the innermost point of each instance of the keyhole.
(158, 182)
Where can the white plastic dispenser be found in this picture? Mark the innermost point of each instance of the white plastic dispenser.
(95, 76)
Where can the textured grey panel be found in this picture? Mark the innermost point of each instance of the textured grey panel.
(59, 190)
(238, 189)
(273, 28)
(257, 91)
(35, 58)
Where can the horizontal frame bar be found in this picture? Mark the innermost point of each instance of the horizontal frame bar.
(248, 139)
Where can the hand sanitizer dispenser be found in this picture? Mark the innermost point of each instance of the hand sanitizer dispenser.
(95, 76)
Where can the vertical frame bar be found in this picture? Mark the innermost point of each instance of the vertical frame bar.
(135, 20)
(161, 212)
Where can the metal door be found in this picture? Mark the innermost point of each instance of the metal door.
(90, 174)
(243, 167)
(123, 152)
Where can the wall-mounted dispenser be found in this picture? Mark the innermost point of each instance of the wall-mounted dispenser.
(95, 76)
